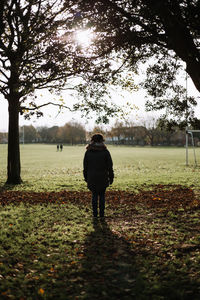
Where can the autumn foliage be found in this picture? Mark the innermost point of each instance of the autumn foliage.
(160, 196)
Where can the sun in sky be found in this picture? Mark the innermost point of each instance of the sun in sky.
(84, 37)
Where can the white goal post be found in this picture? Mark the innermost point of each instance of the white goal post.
(190, 132)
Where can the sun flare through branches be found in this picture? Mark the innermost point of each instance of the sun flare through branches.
(84, 38)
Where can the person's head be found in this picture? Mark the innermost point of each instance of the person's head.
(97, 138)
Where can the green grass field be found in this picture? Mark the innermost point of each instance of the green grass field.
(45, 169)
(147, 248)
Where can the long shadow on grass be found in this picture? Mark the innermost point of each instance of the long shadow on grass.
(109, 267)
(112, 270)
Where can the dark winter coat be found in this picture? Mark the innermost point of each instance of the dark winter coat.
(97, 167)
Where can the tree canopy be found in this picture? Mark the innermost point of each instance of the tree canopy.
(143, 28)
(165, 33)
(38, 50)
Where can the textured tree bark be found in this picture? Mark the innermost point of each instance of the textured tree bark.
(13, 167)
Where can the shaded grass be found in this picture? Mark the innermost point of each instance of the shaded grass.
(45, 169)
(38, 246)
(56, 251)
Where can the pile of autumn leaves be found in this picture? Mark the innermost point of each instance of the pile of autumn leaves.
(160, 196)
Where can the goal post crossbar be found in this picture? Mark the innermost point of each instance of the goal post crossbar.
(192, 131)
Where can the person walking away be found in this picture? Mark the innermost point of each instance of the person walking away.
(57, 147)
(98, 172)
(61, 147)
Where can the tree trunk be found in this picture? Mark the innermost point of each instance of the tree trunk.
(13, 167)
(180, 39)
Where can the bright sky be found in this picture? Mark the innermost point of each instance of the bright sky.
(52, 118)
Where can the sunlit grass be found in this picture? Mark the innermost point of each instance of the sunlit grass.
(43, 168)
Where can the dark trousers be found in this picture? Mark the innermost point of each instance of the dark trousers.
(101, 197)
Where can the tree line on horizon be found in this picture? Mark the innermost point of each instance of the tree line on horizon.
(120, 133)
